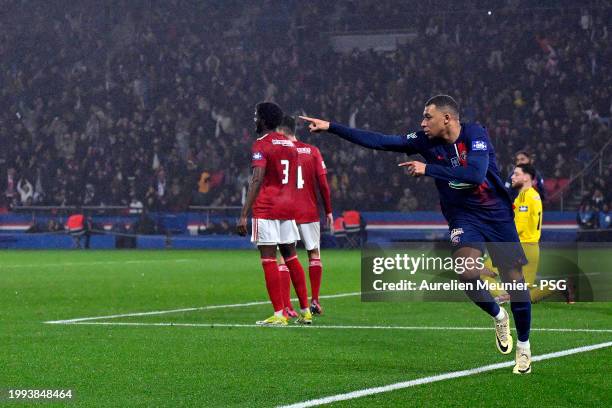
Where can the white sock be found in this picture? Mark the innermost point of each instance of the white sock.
(279, 313)
(523, 344)
(501, 315)
(304, 310)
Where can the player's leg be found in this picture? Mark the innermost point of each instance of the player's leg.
(530, 271)
(289, 235)
(315, 273)
(520, 304)
(491, 276)
(266, 234)
(286, 289)
(508, 255)
(468, 243)
(311, 237)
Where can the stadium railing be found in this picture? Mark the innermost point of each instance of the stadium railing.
(596, 163)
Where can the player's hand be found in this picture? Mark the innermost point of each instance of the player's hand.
(241, 227)
(316, 125)
(415, 168)
(330, 222)
(487, 272)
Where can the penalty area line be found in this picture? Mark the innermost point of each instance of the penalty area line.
(333, 327)
(435, 378)
(188, 309)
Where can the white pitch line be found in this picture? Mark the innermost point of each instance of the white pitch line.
(440, 377)
(337, 327)
(53, 265)
(189, 309)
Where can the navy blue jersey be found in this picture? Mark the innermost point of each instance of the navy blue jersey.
(465, 172)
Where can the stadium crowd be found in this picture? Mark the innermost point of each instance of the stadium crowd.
(150, 104)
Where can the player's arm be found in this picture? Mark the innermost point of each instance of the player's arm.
(371, 140)
(473, 173)
(535, 214)
(326, 196)
(324, 189)
(254, 186)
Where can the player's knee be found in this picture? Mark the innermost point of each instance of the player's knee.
(512, 275)
(287, 250)
(314, 254)
(267, 251)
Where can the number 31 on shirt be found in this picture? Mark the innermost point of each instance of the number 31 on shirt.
(300, 179)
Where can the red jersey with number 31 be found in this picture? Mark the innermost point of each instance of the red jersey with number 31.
(277, 196)
(310, 167)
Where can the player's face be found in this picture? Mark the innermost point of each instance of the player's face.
(434, 121)
(518, 178)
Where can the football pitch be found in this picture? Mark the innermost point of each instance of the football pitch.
(176, 328)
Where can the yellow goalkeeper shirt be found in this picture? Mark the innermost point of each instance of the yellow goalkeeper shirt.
(528, 215)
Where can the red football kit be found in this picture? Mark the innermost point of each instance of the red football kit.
(311, 173)
(277, 197)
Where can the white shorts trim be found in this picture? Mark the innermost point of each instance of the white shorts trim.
(274, 232)
(311, 235)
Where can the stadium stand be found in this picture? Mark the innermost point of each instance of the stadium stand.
(131, 104)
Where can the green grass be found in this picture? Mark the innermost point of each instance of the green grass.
(145, 366)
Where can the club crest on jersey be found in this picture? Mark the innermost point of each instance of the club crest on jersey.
(455, 235)
(257, 156)
(479, 145)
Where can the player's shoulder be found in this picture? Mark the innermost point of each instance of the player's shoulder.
(476, 136)
(533, 194)
(472, 129)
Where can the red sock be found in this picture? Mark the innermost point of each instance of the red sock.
(315, 270)
(273, 282)
(285, 285)
(299, 280)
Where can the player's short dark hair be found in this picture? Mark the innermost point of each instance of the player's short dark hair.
(444, 102)
(528, 169)
(288, 123)
(270, 113)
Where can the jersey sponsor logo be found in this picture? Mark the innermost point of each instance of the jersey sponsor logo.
(479, 145)
(412, 135)
(455, 235)
(282, 142)
(257, 156)
(523, 208)
(304, 150)
(460, 186)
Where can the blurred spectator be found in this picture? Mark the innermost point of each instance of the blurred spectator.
(587, 216)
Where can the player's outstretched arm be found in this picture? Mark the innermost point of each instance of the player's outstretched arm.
(254, 186)
(365, 138)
